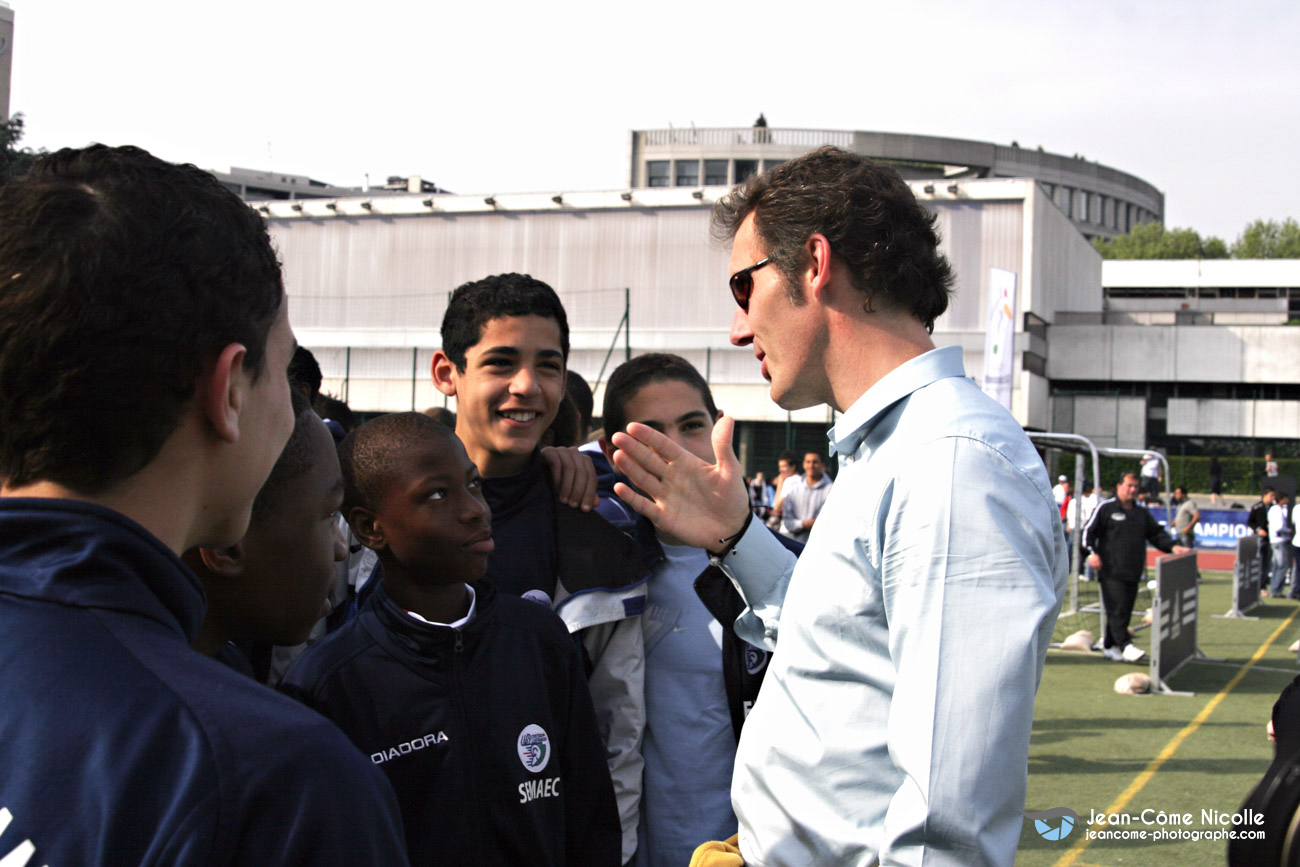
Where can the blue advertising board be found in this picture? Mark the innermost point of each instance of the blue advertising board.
(1218, 528)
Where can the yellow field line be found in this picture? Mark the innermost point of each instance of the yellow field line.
(1069, 858)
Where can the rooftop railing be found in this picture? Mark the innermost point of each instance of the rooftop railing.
(747, 136)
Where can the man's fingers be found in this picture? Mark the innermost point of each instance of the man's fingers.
(641, 505)
(628, 461)
(723, 432)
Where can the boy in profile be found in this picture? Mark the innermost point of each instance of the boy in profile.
(473, 702)
(505, 345)
(273, 585)
(700, 677)
(144, 344)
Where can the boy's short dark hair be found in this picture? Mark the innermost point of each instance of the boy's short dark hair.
(787, 456)
(124, 277)
(476, 303)
(304, 372)
(370, 453)
(293, 462)
(631, 376)
(874, 224)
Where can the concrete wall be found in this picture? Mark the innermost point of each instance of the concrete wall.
(1234, 418)
(1136, 353)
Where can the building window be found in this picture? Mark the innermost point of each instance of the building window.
(768, 165)
(715, 173)
(1083, 206)
(656, 172)
(688, 173)
(745, 169)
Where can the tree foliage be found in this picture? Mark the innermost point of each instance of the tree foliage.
(14, 160)
(1269, 239)
(1154, 241)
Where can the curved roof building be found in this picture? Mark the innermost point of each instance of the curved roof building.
(1099, 200)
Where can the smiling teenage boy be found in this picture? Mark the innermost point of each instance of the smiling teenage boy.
(144, 343)
(473, 702)
(505, 345)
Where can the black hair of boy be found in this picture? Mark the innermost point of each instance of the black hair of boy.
(373, 452)
(304, 373)
(579, 392)
(476, 303)
(632, 376)
(125, 276)
(294, 461)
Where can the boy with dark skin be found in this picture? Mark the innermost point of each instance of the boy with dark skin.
(505, 349)
(273, 585)
(473, 702)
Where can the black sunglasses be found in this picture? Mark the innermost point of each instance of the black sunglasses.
(742, 283)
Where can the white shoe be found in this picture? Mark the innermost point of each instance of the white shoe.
(1133, 653)
(1113, 654)
(1295, 648)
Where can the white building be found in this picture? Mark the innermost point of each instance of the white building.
(1132, 354)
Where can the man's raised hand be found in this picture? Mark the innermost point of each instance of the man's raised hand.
(698, 503)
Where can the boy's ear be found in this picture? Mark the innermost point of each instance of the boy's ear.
(222, 390)
(608, 448)
(717, 418)
(226, 562)
(365, 526)
(443, 370)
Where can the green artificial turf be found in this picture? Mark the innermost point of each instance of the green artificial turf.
(1091, 744)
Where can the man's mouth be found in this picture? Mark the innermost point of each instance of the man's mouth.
(519, 415)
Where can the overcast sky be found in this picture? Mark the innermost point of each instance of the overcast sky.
(1201, 99)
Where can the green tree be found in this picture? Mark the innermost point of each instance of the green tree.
(1269, 239)
(14, 160)
(1154, 241)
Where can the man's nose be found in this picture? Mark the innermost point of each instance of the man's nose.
(740, 335)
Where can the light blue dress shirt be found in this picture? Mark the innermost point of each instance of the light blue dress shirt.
(894, 723)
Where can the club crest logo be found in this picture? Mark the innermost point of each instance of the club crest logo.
(755, 659)
(534, 748)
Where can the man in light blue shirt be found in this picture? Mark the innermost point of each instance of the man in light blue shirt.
(894, 723)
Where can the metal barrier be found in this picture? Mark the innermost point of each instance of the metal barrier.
(1245, 579)
(1173, 627)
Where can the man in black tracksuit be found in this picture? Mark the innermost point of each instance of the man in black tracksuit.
(1257, 521)
(1117, 535)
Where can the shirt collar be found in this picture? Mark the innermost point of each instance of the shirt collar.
(916, 373)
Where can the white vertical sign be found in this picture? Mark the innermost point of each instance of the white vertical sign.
(999, 339)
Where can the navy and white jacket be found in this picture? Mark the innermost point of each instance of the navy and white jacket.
(120, 744)
(593, 575)
(486, 731)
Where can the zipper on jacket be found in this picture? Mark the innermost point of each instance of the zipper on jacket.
(460, 645)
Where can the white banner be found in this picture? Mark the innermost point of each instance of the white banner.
(1000, 338)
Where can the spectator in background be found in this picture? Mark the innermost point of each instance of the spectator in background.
(1058, 490)
(804, 497)
(1270, 466)
(1294, 593)
(761, 496)
(1280, 533)
(1077, 515)
(304, 374)
(1257, 520)
(784, 472)
(1151, 478)
(1186, 518)
(1216, 480)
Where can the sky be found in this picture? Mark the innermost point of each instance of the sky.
(1201, 99)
